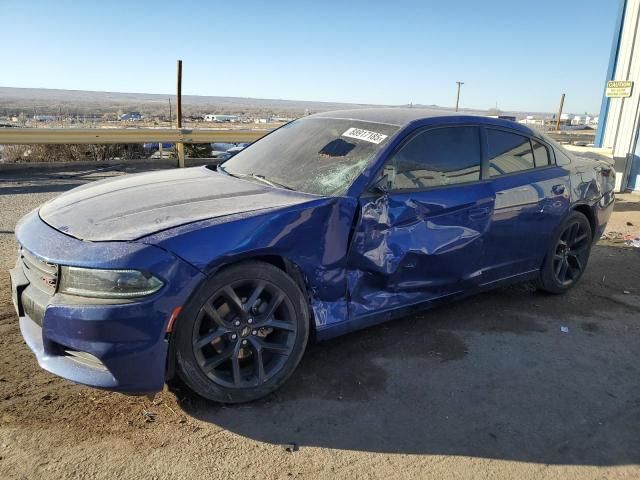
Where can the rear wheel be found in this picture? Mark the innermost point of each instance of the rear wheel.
(243, 334)
(568, 255)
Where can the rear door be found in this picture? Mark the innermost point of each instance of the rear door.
(531, 195)
(422, 239)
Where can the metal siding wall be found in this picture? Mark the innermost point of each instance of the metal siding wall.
(634, 173)
(618, 107)
(620, 131)
(623, 143)
(631, 110)
(613, 61)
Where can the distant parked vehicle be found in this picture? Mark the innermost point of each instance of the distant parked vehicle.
(233, 150)
(131, 117)
(222, 146)
(157, 155)
(223, 151)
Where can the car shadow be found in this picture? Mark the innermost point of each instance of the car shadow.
(494, 376)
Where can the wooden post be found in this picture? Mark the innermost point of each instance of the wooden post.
(560, 113)
(458, 96)
(180, 150)
(160, 149)
(180, 145)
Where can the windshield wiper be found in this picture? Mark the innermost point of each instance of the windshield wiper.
(272, 183)
(256, 176)
(220, 168)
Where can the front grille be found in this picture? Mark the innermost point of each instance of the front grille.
(40, 273)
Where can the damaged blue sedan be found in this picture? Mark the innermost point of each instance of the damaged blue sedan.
(331, 223)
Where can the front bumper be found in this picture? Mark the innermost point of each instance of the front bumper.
(115, 346)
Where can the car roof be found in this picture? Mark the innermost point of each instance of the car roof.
(403, 116)
(388, 115)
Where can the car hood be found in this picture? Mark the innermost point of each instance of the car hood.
(134, 206)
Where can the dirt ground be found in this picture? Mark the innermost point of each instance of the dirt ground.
(489, 387)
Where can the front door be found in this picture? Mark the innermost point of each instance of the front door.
(424, 238)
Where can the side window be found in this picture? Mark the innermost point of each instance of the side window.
(508, 152)
(438, 157)
(541, 154)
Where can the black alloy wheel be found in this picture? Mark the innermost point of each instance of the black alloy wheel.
(243, 334)
(568, 256)
(572, 252)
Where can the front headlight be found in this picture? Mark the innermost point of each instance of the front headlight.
(89, 282)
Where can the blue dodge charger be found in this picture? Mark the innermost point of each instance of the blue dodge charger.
(334, 222)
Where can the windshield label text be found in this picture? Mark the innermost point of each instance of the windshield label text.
(365, 135)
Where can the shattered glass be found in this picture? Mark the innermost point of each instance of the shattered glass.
(312, 155)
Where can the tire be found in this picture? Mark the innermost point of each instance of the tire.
(567, 256)
(242, 334)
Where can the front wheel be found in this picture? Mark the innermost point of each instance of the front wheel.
(568, 255)
(243, 334)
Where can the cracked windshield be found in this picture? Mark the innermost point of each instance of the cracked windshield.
(322, 156)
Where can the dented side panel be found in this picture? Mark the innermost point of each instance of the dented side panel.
(417, 246)
(313, 237)
(593, 184)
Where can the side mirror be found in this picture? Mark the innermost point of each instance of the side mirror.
(382, 185)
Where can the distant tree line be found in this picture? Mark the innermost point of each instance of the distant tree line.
(71, 153)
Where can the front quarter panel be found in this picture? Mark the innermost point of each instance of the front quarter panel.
(314, 237)
(128, 337)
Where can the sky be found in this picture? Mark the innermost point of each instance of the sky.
(519, 55)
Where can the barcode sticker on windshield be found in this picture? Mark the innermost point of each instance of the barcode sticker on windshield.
(365, 135)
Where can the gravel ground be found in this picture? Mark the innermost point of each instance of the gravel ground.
(489, 387)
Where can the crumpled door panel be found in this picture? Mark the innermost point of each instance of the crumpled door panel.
(413, 247)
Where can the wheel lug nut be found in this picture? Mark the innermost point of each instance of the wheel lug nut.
(234, 336)
(244, 342)
(237, 323)
(254, 332)
(250, 321)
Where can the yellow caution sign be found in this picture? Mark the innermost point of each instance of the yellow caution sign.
(619, 89)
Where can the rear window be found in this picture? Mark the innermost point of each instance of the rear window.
(541, 154)
(508, 153)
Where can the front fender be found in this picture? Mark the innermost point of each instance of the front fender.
(313, 236)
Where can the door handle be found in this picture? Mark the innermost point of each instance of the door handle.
(478, 213)
(558, 189)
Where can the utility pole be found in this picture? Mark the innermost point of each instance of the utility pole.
(458, 97)
(179, 145)
(560, 112)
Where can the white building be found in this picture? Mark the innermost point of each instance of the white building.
(619, 127)
(531, 120)
(220, 118)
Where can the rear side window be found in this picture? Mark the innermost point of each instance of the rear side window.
(439, 157)
(508, 152)
(541, 154)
